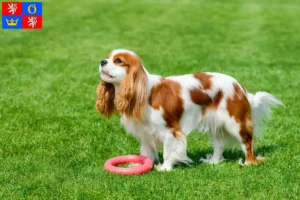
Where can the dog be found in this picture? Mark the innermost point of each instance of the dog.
(162, 111)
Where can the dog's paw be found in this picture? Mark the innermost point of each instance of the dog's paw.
(249, 162)
(211, 160)
(241, 163)
(162, 168)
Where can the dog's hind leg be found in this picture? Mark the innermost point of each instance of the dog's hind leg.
(243, 132)
(219, 142)
(247, 146)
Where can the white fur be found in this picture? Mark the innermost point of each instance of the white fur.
(111, 73)
(261, 103)
(152, 131)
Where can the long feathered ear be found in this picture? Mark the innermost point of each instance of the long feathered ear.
(132, 94)
(105, 98)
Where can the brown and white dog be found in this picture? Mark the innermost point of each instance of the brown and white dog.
(164, 110)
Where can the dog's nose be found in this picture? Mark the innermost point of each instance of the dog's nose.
(103, 62)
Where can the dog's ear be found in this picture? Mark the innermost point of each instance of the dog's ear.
(132, 94)
(105, 98)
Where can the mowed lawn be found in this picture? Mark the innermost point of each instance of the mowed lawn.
(53, 143)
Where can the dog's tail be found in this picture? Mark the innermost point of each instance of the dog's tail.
(261, 103)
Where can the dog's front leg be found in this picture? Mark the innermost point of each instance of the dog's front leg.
(175, 150)
(148, 149)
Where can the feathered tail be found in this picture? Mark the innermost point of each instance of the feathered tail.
(261, 103)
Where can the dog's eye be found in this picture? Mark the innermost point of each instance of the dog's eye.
(118, 61)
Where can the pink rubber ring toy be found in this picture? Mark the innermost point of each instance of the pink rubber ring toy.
(147, 164)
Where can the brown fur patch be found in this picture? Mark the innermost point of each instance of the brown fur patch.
(166, 95)
(199, 95)
(217, 100)
(105, 98)
(239, 107)
(205, 80)
(127, 59)
(132, 94)
(177, 133)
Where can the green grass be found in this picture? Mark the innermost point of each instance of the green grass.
(53, 144)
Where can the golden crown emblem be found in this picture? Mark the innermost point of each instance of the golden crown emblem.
(12, 22)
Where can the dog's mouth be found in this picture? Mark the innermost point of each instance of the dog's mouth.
(106, 75)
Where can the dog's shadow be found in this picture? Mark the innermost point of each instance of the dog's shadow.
(230, 155)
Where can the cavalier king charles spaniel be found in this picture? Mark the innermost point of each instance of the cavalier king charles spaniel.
(162, 111)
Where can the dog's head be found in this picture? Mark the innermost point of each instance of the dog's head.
(123, 85)
(119, 64)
